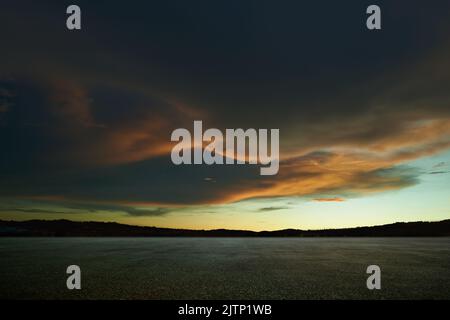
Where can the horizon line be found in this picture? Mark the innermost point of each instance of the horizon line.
(224, 229)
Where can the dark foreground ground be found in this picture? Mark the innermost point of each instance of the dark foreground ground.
(225, 268)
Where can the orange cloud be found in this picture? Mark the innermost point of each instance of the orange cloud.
(93, 142)
(336, 199)
(322, 173)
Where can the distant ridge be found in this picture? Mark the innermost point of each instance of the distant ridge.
(67, 228)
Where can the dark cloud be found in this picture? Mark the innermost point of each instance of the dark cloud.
(71, 207)
(440, 164)
(137, 212)
(438, 172)
(265, 209)
(30, 210)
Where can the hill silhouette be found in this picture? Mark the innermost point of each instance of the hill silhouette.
(67, 228)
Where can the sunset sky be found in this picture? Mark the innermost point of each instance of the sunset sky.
(364, 116)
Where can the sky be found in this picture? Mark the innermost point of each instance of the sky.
(364, 116)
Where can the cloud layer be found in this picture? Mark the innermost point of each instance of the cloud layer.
(85, 119)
